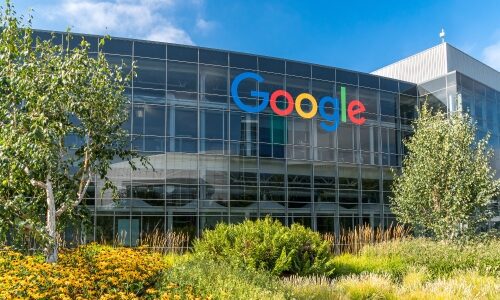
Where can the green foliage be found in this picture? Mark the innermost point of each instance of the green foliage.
(446, 182)
(347, 264)
(439, 258)
(267, 244)
(219, 280)
(61, 111)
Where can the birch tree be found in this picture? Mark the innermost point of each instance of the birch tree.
(61, 112)
(446, 182)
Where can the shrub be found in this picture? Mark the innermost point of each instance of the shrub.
(207, 279)
(88, 272)
(268, 245)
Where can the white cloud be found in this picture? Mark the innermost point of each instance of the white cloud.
(204, 25)
(169, 34)
(148, 19)
(491, 55)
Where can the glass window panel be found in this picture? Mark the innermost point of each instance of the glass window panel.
(152, 50)
(325, 195)
(302, 131)
(389, 140)
(212, 146)
(272, 172)
(323, 73)
(299, 197)
(117, 46)
(154, 120)
(408, 88)
(299, 174)
(214, 170)
(271, 65)
(368, 137)
(243, 127)
(370, 179)
(187, 145)
(138, 119)
(246, 86)
(325, 138)
(182, 77)
(346, 136)
(296, 86)
(347, 77)
(243, 61)
(272, 194)
(408, 107)
(388, 104)
(154, 143)
(213, 124)
(213, 80)
(321, 89)
(368, 81)
(265, 129)
(243, 171)
(149, 96)
(213, 57)
(182, 53)
(389, 85)
(298, 69)
(348, 177)
(150, 73)
(325, 176)
(369, 98)
(186, 122)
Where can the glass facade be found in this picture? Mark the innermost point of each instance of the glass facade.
(215, 163)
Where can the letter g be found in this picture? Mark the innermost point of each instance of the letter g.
(237, 100)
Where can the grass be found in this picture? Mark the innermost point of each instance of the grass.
(396, 268)
(415, 285)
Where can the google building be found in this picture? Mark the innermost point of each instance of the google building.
(235, 136)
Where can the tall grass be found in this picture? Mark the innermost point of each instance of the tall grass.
(353, 240)
(441, 259)
(415, 285)
(165, 242)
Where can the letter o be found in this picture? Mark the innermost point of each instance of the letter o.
(298, 108)
(289, 99)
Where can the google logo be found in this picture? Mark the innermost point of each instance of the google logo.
(340, 111)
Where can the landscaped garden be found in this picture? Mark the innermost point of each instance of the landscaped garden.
(261, 260)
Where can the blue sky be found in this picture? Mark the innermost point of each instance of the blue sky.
(358, 35)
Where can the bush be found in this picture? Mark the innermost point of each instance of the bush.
(207, 279)
(268, 245)
(88, 272)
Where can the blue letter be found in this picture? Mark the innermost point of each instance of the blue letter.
(335, 118)
(237, 100)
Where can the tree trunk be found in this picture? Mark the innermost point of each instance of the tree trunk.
(52, 247)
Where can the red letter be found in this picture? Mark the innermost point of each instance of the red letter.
(355, 108)
(289, 99)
